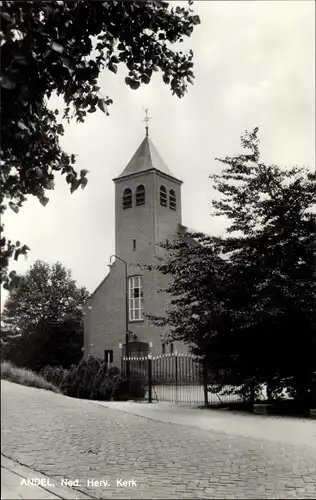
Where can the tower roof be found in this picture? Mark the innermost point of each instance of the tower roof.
(146, 158)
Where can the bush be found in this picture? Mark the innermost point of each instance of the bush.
(26, 377)
(80, 381)
(54, 374)
(91, 379)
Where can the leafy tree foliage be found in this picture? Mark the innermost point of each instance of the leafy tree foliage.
(248, 300)
(62, 47)
(43, 315)
(272, 213)
(199, 284)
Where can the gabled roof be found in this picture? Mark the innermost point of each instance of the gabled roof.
(146, 158)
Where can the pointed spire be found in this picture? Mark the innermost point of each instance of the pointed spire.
(146, 158)
(146, 120)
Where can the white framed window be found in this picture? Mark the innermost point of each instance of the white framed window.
(136, 298)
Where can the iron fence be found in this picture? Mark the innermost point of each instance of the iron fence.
(177, 378)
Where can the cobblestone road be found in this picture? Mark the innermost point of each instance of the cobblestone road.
(73, 439)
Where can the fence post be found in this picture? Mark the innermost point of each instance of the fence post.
(176, 367)
(205, 382)
(150, 397)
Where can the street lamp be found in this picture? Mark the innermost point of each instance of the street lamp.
(126, 312)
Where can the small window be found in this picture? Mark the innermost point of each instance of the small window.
(163, 348)
(172, 199)
(171, 347)
(140, 195)
(167, 241)
(163, 196)
(134, 244)
(108, 356)
(127, 198)
(135, 298)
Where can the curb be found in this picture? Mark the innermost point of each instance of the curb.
(63, 492)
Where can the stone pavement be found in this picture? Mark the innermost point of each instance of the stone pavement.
(296, 431)
(77, 440)
(16, 483)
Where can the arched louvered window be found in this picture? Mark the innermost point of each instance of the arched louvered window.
(163, 196)
(140, 195)
(172, 199)
(127, 198)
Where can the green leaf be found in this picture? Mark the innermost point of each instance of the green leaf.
(145, 79)
(13, 207)
(57, 47)
(112, 67)
(196, 20)
(133, 84)
(74, 186)
(67, 63)
(84, 182)
(102, 105)
(16, 254)
(5, 16)
(50, 185)
(25, 248)
(38, 172)
(114, 60)
(44, 201)
(69, 178)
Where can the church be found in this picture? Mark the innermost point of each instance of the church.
(147, 213)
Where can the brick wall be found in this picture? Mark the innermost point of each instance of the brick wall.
(148, 224)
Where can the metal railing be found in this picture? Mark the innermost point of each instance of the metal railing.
(177, 378)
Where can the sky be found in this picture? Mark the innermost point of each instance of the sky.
(254, 66)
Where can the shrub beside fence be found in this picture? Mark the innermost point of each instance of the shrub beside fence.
(178, 378)
(93, 379)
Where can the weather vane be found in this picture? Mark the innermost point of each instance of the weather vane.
(146, 120)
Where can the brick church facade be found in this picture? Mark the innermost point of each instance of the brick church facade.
(147, 213)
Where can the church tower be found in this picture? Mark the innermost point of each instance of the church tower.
(147, 206)
(147, 213)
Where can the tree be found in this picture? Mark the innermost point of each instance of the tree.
(272, 213)
(43, 314)
(61, 47)
(199, 281)
(255, 286)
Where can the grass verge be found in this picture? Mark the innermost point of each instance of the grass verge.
(25, 377)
